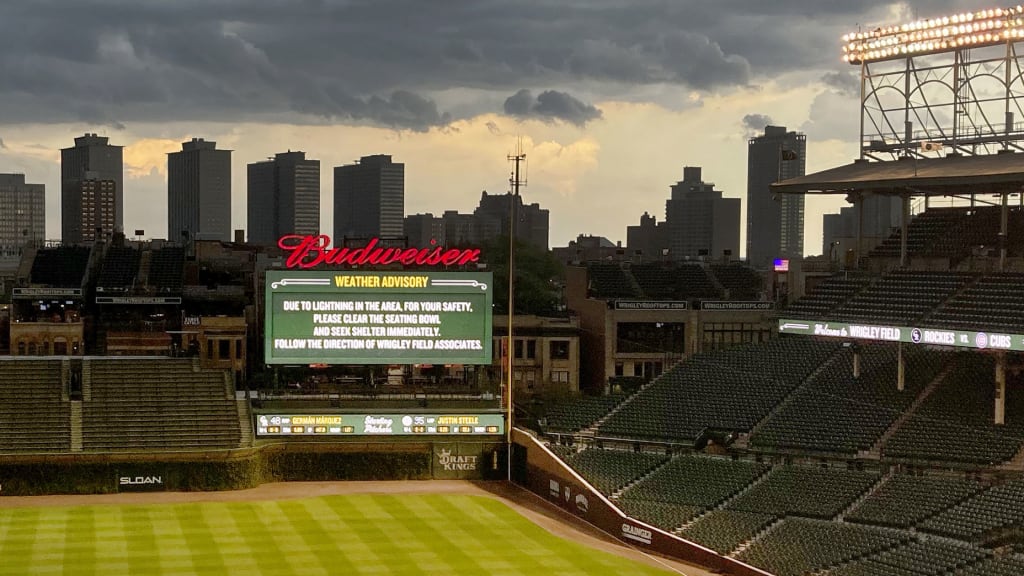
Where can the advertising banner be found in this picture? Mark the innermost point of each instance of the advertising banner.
(379, 424)
(911, 334)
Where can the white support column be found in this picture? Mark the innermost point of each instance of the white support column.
(856, 364)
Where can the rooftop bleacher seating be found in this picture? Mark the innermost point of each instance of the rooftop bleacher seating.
(34, 417)
(724, 530)
(576, 414)
(940, 232)
(60, 267)
(119, 269)
(802, 491)
(799, 546)
(742, 282)
(835, 412)
(158, 404)
(905, 500)
(609, 470)
(901, 298)
(993, 303)
(672, 281)
(826, 296)
(955, 422)
(166, 270)
(610, 281)
(999, 507)
(730, 389)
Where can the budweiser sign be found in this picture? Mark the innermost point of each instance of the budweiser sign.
(313, 251)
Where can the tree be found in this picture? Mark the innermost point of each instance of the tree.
(538, 278)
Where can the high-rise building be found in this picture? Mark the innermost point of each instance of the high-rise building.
(775, 226)
(199, 192)
(283, 197)
(421, 229)
(648, 239)
(880, 217)
(98, 199)
(369, 199)
(92, 154)
(493, 217)
(699, 221)
(22, 215)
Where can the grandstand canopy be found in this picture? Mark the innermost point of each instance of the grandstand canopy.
(920, 176)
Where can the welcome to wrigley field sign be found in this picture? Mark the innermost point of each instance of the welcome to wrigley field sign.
(986, 340)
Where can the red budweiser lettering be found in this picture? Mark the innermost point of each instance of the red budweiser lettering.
(312, 251)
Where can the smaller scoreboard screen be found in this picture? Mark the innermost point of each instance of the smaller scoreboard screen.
(379, 424)
(385, 317)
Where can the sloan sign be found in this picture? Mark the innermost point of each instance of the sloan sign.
(312, 251)
(140, 483)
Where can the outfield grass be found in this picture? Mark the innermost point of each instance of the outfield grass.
(431, 534)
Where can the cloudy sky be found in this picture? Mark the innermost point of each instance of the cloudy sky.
(611, 98)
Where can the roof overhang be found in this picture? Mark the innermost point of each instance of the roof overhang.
(993, 173)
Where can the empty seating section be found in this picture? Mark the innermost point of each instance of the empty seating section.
(801, 491)
(120, 267)
(166, 269)
(33, 415)
(931, 557)
(62, 267)
(826, 296)
(664, 515)
(955, 422)
(695, 481)
(993, 303)
(731, 389)
(724, 530)
(798, 546)
(742, 282)
(609, 470)
(674, 281)
(922, 232)
(836, 412)
(576, 414)
(1000, 507)
(1005, 566)
(610, 281)
(901, 298)
(905, 500)
(154, 404)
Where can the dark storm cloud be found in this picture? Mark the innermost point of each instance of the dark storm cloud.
(389, 62)
(551, 106)
(755, 123)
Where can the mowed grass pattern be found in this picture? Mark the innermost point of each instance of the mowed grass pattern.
(352, 534)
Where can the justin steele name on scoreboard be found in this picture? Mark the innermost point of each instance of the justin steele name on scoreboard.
(381, 281)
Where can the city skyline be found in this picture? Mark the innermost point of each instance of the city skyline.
(606, 118)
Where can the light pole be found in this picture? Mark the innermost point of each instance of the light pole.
(515, 182)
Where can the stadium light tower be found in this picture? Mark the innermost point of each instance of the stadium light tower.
(515, 181)
(951, 83)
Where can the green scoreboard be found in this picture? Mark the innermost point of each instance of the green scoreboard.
(380, 317)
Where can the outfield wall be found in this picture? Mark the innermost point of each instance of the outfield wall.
(22, 475)
(538, 469)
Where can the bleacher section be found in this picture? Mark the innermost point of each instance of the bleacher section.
(827, 295)
(798, 546)
(1006, 566)
(998, 508)
(60, 267)
(724, 530)
(955, 422)
(991, 303)
(34, 415)
(157, 404)
(664, 515)
(904, 500)
(609, 470)
(610, 281)
(742, 282)
(695, 481)
(801, 491)
(926, 558)
(835, 412)
(731, 389)
(923, 232)
(901, 298)
(576, 414)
